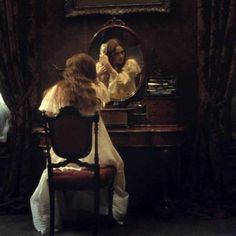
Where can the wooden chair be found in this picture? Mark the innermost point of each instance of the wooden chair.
(71, 136)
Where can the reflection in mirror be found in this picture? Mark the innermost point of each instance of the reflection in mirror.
(120, 61)
(116, 71)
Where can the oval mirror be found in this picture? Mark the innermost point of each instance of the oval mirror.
(120, 60)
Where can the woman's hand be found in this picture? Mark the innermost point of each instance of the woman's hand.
(104, 75)
(103, 59)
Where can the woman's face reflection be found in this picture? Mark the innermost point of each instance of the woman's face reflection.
(118, 56)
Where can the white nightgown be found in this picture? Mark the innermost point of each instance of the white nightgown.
(122, 85)
(69, 202)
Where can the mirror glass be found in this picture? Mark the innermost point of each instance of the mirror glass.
(120, 60)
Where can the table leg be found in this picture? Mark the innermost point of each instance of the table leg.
(166, 207)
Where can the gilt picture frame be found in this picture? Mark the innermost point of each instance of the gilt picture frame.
(114, 7)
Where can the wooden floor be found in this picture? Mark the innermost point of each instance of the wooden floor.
(137, 224)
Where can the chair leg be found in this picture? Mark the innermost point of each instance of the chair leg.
(96, 209)
(110, 200)
(52, 212)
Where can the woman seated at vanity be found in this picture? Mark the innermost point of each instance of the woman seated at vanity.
(81, 89)
(115, 71)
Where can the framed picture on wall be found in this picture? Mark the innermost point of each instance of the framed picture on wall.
(114, 7)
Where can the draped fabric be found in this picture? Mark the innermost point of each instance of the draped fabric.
(18, 77)
(216, 29)
(5, 116)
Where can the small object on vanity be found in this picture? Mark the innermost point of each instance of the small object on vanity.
(139, 112)
(161, 85)
(117, 117)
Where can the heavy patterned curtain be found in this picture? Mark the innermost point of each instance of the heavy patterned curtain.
(216, 28)
(18, 77)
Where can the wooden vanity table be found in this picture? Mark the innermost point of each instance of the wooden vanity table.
(162, 136)
(165, 139)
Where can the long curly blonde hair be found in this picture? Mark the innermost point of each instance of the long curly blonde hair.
(76, 87)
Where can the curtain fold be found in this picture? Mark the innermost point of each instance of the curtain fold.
(216, 29)
(18, 76)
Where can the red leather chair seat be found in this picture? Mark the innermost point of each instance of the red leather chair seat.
(82, 179)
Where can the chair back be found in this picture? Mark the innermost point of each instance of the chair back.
(70, 133)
